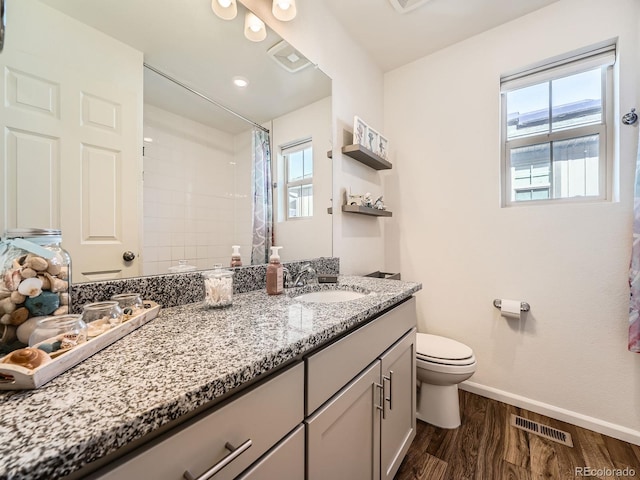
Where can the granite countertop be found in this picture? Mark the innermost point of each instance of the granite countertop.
(181, 360)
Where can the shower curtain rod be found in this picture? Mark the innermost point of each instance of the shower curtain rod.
(178, 82)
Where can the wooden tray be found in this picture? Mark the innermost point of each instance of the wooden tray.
(16, 377)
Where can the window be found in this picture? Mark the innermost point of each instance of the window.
(554, 129)
(298, 162)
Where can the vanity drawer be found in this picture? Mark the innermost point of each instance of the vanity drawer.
(333, 367)
(284, 462)
(262, 416)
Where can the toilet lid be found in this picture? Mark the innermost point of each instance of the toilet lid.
(434, 346)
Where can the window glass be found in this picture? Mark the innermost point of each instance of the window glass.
(555, 130)
(577, 100)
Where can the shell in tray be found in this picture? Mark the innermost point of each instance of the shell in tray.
(17, 377)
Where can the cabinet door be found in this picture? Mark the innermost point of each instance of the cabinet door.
(398, 427)
(343, 437)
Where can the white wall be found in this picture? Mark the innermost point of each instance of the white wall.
(191, 202)
(569, 356)
(357, 90)
(309, 237)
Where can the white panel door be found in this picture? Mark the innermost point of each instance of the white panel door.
(72, 128)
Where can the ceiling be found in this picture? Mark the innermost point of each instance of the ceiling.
(204, 52)
(393, 39)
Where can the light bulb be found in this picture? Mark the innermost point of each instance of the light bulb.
(284, 10)
(225, 9)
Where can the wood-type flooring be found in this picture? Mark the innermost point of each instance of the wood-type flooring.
(487, 447)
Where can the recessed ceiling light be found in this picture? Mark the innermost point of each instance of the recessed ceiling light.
(148, 139)
(240, 82)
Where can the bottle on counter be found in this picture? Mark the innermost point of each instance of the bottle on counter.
(236, 259)
(275, 282)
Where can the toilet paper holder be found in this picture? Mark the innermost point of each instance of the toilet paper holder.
(524, 306)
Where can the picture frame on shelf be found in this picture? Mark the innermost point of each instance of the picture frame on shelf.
(383, 147)
(359, 131)
(373, 139)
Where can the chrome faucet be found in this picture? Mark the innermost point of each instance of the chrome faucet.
(306, 276)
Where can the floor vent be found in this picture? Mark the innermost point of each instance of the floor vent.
(542, 430)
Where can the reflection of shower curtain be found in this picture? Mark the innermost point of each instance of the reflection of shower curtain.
(634, 271)
(262, 198)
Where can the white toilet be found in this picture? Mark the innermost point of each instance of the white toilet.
(441, 364)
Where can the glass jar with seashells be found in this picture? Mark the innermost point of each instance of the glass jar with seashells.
(34, 283)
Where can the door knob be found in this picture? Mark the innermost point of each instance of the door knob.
(128, 256)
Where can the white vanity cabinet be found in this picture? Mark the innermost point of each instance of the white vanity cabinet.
(366, 426)
(229, 439)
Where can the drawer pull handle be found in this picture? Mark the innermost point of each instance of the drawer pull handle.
(390, 379)
(381, 406)
(234, 452)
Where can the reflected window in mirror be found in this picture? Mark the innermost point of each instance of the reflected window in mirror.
(298, 162)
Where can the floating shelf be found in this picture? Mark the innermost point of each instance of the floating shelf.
(366, 156)
(374, 212)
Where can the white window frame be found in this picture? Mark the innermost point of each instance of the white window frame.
(285, 151)
(577, 62)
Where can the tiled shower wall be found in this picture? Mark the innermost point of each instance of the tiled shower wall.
(196, 193)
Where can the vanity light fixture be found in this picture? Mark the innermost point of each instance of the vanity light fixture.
(284, 10)
(254, 28)
(225, 9)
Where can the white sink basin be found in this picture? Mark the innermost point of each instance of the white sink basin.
(330, 296)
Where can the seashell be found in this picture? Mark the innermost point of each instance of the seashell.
(44, 304)
(19, 316)
(53, 267)
(31, 287)
(37, 263)
(7, 306)
(62, 310)
(46, 284)
(12, 279)
(24, 331)
(58, 285)
(5, 319)
(64, 273)
(64, 298)
(28, 272)
(4, 293)
(17, 297)
(27, 357)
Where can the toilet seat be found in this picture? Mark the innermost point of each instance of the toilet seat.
(442, 350)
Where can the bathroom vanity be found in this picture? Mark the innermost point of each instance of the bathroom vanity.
(271, 387)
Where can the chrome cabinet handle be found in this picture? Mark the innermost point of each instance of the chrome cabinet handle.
(128, 256)
(381, 406)
(234, 452)
(390, 380)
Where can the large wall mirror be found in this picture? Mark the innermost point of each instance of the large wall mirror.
(114, 133)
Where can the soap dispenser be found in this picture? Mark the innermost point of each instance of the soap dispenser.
(275, 284)
(236, 259)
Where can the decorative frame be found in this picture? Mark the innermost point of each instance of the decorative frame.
(360, 129)
(383, 147)
(372, 140)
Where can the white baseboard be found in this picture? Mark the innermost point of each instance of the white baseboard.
(606, 428)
